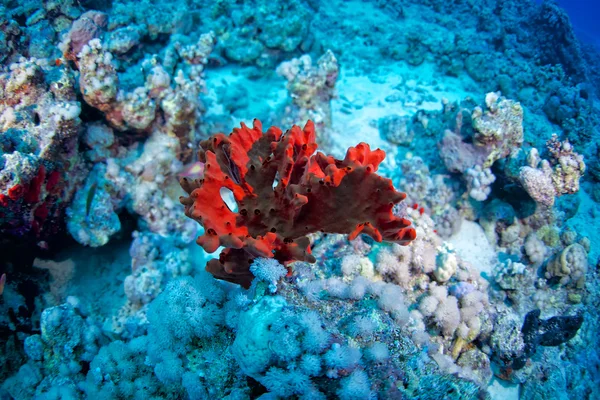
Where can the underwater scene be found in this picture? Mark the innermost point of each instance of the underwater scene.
(303, 199)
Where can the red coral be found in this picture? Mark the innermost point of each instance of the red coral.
(15, 192)
(35, 186)
(284, 191)
(27, 205)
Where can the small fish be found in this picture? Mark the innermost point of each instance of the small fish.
(193, 171)
(90, 198)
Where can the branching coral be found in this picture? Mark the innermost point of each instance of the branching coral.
(284, 191)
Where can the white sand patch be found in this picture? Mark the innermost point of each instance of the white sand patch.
(260, 91)
(501, 390)
(396, 89)
(472, 245)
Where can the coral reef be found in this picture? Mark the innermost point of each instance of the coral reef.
(481, 281)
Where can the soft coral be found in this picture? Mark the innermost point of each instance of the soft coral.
(313, 192)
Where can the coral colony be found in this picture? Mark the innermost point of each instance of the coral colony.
(424, 225)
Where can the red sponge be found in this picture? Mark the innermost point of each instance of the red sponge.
(284, 191)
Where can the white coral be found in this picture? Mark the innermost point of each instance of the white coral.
(353, 265)
(479, 181)
(446, 263)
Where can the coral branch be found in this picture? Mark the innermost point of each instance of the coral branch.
(284, 191)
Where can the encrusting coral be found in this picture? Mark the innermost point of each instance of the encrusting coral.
(284, 191)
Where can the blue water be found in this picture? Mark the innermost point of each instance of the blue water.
(584, 15)
(303, 199)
